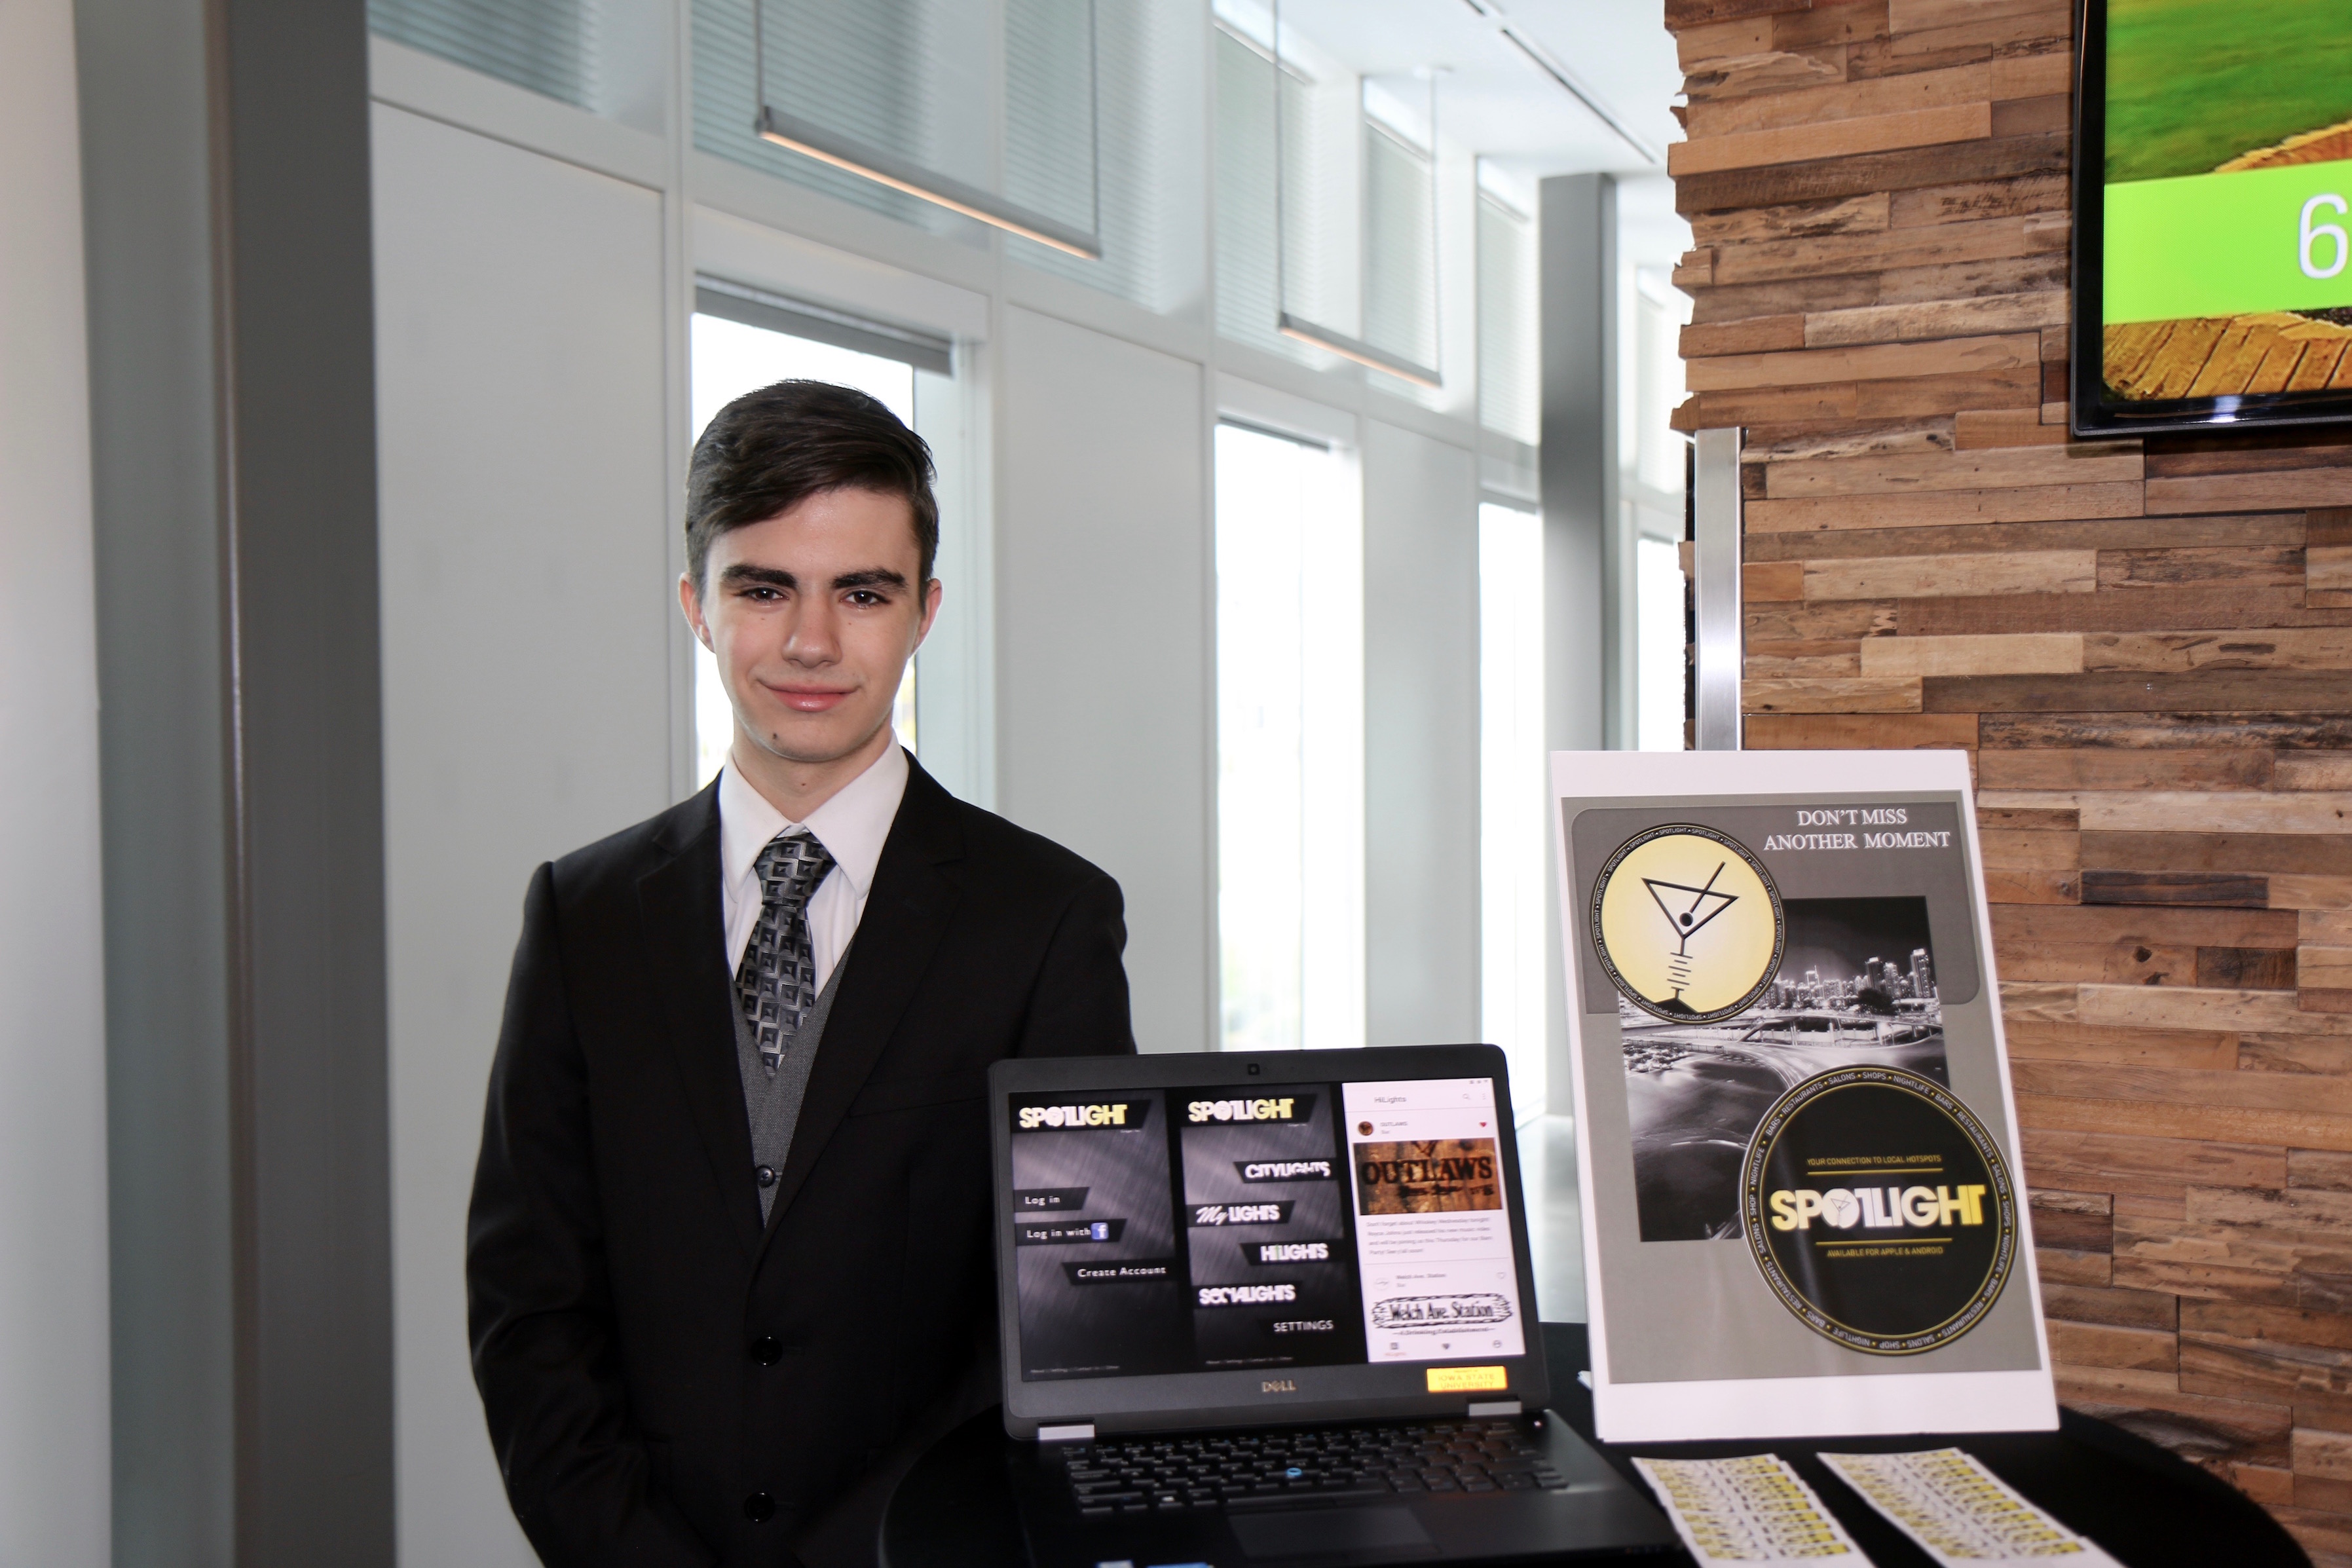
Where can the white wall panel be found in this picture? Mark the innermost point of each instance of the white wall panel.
(527, 604)
(1103, 639)
(54, 1454)
(1420, 738)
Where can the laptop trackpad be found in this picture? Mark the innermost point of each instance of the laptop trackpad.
(1355, 1534)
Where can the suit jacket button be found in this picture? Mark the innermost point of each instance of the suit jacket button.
(759, 1508)
(766, 1349)
(766, 1175)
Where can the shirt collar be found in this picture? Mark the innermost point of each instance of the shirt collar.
(853, 823)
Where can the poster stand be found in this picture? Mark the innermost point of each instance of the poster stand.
(1803, 1198)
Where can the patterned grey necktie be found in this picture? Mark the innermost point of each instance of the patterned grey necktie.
(775, 986)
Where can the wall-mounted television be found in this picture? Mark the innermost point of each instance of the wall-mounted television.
(2212, 215)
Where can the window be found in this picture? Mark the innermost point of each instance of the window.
(730, 358)
(906, 76)
(603, 56)
(1661, 636)
(1133, 130)
(1655, 498)
(1246, 305)
(1311, 270)
(1290, 745)
(1514, 796)
(1070, 110)
(1509, 395)
(550, 47)
(1400, 236)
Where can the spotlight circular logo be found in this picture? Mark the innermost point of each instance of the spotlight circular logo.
(1879, 1209)
(1688, 923)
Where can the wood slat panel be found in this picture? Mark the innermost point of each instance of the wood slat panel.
(2061, 467)
(2296, 731)
(2024, 653)
(2215, 690)
(1752, 149)
(2027, 572)
(1983, 537)
(1837, 733)
(1805, 260)
(1824, 178)
(2145, 647)
(2143, 609)
(1882, 362)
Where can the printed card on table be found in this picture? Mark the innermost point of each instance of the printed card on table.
(1752, 1510)
(1961, 1514)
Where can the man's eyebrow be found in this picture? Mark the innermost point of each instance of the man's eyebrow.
(765, 576)
(872, 577)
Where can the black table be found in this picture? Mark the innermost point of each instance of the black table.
(2147, 1507)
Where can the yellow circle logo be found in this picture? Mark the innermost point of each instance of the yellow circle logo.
(1688, 923)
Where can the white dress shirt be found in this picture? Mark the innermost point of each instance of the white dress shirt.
(852, 824)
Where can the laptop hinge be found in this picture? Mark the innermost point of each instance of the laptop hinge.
(1482, 1409)
(1082, 1432)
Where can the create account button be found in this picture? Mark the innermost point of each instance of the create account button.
(1125, 1272)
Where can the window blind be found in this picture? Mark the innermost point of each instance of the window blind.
(907, 77)
(820, 324)
(1509, 396)
(546, 45)
(1400, 229)
(1247, 297)
(1055, 100)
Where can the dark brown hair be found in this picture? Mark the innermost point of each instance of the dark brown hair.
(770, 449)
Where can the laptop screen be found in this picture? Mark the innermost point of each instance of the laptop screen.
(1257, 1228)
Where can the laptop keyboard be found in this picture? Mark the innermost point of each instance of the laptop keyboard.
(1247, 1470)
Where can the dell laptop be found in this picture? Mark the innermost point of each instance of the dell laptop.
(1271, 1309)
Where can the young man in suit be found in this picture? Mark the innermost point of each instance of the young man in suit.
(730, 1259)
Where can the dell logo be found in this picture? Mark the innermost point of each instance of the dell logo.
(1277, 1385)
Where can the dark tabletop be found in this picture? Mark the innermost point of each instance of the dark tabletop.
(2148, 1508)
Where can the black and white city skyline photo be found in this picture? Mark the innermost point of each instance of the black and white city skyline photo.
(1856, 985)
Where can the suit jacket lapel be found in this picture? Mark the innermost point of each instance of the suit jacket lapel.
(906, 914)
(686, 935)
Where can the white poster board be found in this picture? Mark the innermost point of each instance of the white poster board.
(1804, 1205)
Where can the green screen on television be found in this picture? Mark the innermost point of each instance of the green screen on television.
(2222, 143)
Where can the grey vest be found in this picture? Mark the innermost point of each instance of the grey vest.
(773, 1104)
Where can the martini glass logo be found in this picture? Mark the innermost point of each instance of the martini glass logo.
(1687, 910)
(1688, 923)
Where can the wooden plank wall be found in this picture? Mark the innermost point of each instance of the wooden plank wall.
(2147, 652)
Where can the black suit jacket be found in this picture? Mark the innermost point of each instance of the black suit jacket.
(651, 1359)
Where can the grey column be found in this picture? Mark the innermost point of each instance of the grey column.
(1577, 231)
(155, 429)
(233, 449)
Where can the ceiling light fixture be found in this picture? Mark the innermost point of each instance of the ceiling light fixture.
(845, 153)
